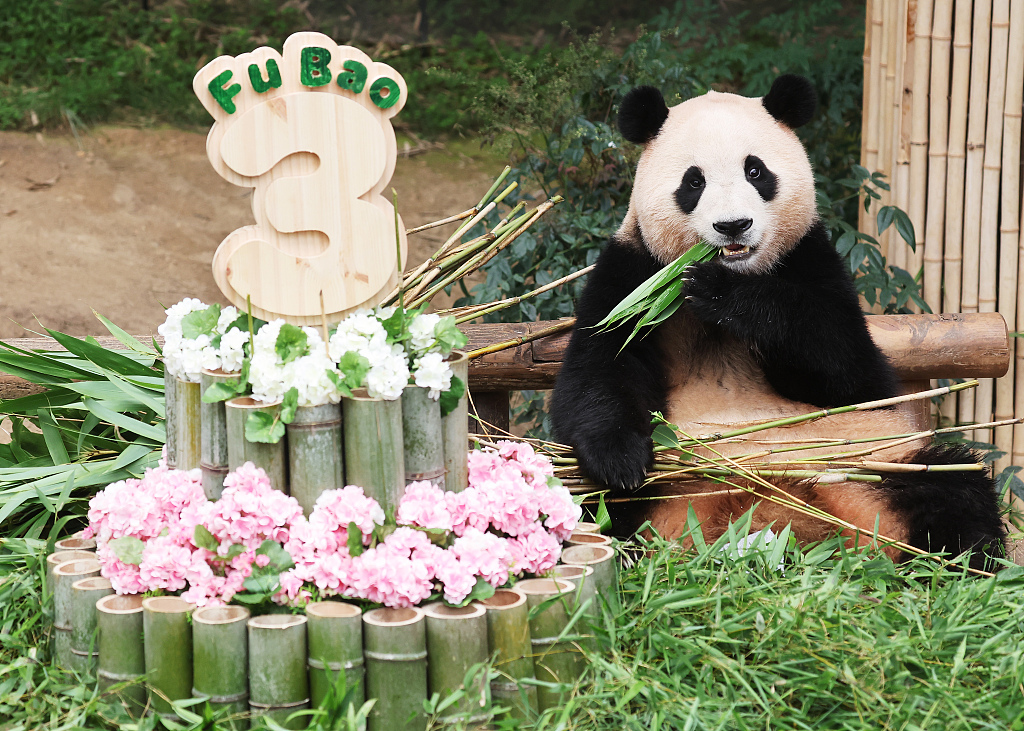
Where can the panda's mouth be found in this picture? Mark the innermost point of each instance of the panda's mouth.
(736, 251)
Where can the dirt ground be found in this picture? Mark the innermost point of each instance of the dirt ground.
(123, 220)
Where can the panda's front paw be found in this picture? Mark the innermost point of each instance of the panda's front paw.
(620, 466)
(707, 291)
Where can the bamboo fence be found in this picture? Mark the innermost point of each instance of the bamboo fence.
(943, 90)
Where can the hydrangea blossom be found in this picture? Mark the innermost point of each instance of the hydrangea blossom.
(271, 377)
(186, 357)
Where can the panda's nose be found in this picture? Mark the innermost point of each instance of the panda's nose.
(732, 229)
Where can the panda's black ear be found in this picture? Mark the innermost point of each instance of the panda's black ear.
(791, 100)
(641, 114)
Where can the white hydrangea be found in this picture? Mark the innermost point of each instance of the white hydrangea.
(308, 374)
(432, 372)
(183, 357)
(421, 333)
(230, 351)
(389, 372)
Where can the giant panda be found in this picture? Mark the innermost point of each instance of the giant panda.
(770, 327)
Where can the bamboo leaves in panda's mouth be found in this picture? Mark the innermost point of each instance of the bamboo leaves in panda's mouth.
(658, 298)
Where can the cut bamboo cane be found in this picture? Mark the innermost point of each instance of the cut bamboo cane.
(122, 660)
(220, 666)
(585, 596)
(937, 140)
(456, 642)
(335, 635)
(374, 458)
(64, 576)
(171, 419)
(188, 424)
(278, 684)
(508, 637)
(555, 660)
(582, 538)
(167, 628)
(588, 527)
(58, 557)
(902, 110)
(75, 543)
(918, 132)
(213, 437)
(84, 595)
(395, 643)
(455, 429)
(602, 560)
(866, 109)
(422, 437)
(1009, 223)
(271, 458)
(315, 455)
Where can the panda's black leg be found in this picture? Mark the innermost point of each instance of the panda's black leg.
(950, 512)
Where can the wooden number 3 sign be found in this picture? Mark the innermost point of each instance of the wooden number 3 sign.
(310, 132)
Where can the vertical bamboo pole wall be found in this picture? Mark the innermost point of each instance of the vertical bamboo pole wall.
(943, 92)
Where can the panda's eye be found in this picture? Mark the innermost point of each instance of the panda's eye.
(754, 173)
(696, 183)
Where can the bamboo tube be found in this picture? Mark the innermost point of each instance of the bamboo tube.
(271, 458)
(866, 111)
(58, 557)
(508, 637)
(582, 538)
(422, 437)
(456, 642)
(278, 684)
(554, 660)
(122, 660)
(213, 437)
(335, 635)
(582, 579)
(220, 651)
(902, 108)
(188, 425)
(374, 457)
(315, 457)
(938, 129)
(64, 575)
(588, 527)
(171, 419)
(1010, 296)
(602, 560)
(84, 595)
(455, 430)
(75, 543)
(166, 625)
(395, 642)
(918, 131)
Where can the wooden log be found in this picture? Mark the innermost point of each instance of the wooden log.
(315, 455)
(508, 637)
(220, 651)
(122, 660)
(278, 683)
(167, 628)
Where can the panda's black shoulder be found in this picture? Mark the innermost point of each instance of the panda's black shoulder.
(623, 265)
(814, 261)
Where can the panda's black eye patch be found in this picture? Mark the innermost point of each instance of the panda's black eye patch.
(763, 179)
(689, 191)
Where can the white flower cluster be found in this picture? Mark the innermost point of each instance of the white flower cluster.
(431, 371)
(308, 373)
(363, 333)
(185, 357)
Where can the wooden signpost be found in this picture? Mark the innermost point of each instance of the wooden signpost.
(309, 130)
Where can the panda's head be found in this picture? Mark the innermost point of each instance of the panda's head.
(723, 168)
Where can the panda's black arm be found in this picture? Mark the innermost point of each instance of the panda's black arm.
(603, 398)
(802, 321)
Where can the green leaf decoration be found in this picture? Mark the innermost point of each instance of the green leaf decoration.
(200, 322)
(280, 559)
(450, 398)
(262, 584)
(481, 590)
(234, 551)
(128, 549)
(292, 343)
(355, 540)
(394, 326)
(339, 383)
(448, 335)
(220, 391)
(665, 436)
(354, 368)
(289, 404)
(603, 519)
(203, 538)
(263, 428)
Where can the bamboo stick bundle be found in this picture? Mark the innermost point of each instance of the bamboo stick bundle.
(918, 132)
(278, 684)
(64, 576)
(1009, 225)
(989, 244)
(456, 642)
(167, 626)
(374, 451)
(555, 660)
(508, 637)
(220, 667)
(271, 458)
(422, 437)
(455, 430)
(315, 454)
(122, 660)
(213, 437)
(938, 130)
(84, 595)
(395, 642)
(335, 637)
(973, 174)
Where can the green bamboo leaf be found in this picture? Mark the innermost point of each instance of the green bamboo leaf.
(51, 398)
(125, 338)
(603, 519)
(69, 485)
(143, 396)
(107, 359)
(54, 441)
(123, 421)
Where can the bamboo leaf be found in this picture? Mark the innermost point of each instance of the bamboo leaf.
(104, 358)
(125, 338)
(124, 421)
(54, 441)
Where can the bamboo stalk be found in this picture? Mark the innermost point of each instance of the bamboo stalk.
(588, 527)
(395, 642)
(315, 453)
(58, 557)
(75, 543)
(902, 107)
(171, 419)
(866, 109)
(335, 635)
(374, 457)
(466, 314)
(456, 642)
(508, 637)
(64, 576)
(188, 424)
(166, 623)
(271, 458)
(566, 324)
(602, 560)
(213, 437)
(220, 668)
(442, 222)
(84, 595)
(455, 430)
(122, 660)
(937, 140)
(555, 660)
(422, 437)
(278, 684)
(918, 132)
(582, 538)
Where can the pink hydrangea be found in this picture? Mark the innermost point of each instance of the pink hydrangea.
(485, 555)
(534, 552)
(423, 505)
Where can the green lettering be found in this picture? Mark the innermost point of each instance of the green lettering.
(273, 77)
(354, 77)
(384, 92)
(314, 66)
(224, 95)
